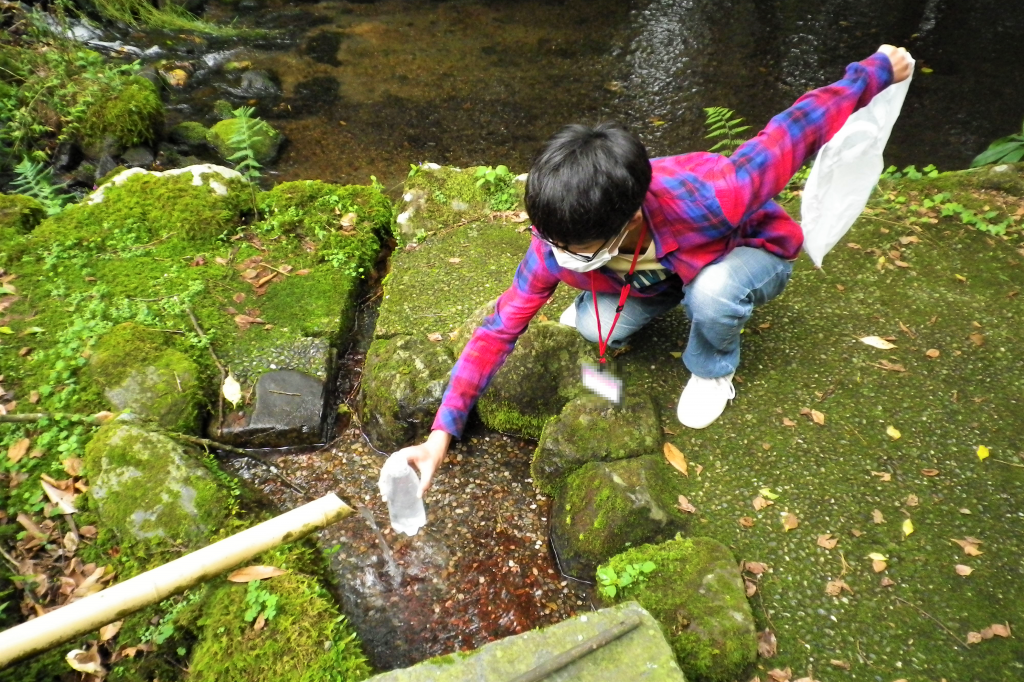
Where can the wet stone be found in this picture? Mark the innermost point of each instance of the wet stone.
(641, 654)
(287, 412)
(604, 507)
(138, 157)
(590, 429)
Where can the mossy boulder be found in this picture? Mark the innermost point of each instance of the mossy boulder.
(437, 197)
(590, 429)
(138, 372)
(604, 507)
(147, 486)
(306, 640)
(540, 376)
(130, 113)
(696, 594)
(265, 140)
(403, 381)
(20, 213)
(191, 134)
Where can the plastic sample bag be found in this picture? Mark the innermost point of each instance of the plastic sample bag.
(846, 170)
(398, 485)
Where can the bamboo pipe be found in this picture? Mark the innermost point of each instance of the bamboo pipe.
(152, 587)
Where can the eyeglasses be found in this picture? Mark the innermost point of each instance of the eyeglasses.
(586, 257)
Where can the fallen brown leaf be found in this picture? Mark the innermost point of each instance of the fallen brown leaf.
(786, 421)
(435, 337)
(746, 522)
(930, 472)
(750, 587)
(1001, 629)
(877, 517)
(676, 458)
(840, 664)
(932, 352)
(910, 239)
(969, 546)
(108, 631)
(973, 638)
(18, 450)
(760, 503)
(455, 260)
(878, 566)
(755, 567)
(964, 570)
(827, 541)
(877, 342)
(250, 573)
(978, 339)
(835, 587)
(885, 364)
(857, 533)
(685, 506)
(790, 521)
(767, 645)
(884, 475)
(887, 582)
(912, 500)
(777, 675)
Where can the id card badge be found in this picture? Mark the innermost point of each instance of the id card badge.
(603, 382)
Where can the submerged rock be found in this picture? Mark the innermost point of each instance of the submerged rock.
(403, 381)
(604, 507)
(287, 412)
(138, 372)
(641, 654)
(590, 429)
(146, 485)
(696, 593)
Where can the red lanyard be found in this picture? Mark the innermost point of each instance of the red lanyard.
(602, 342)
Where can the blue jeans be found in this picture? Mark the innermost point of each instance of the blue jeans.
(718, 302)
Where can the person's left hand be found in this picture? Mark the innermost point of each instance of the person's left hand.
(900, 60)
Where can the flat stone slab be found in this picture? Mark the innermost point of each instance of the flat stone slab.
(642, 654)
(287, 412)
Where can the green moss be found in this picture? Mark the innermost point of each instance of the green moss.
(132, 114)
(19, 213)
(146, 486)
(265, 139)
(696, 595)
(191, 133)
(308, 640)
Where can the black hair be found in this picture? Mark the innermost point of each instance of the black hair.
(587, 183)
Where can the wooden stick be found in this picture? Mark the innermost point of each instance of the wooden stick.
(223, 374)
(934, 620)
(556, 663)
(116, 602)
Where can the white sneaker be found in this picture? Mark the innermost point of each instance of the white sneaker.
(703, 400)
(568, 317)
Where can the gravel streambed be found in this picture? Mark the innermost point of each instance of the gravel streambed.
(480, 570)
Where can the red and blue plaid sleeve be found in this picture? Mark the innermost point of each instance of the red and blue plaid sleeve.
(532, 286)
(761, 167)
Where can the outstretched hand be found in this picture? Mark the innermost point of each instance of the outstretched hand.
(427, 457)
(900, 60)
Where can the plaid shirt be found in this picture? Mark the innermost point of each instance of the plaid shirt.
(699, 207)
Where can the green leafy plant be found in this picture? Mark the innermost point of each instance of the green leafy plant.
(910, 173)
(36, 181)
(243, 141)
(613, 583)
(490, 175)
(722, 122)
(1009, 149)
(259, 600)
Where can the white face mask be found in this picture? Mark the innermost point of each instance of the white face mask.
(600, 259)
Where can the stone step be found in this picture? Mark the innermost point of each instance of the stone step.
(642, 654)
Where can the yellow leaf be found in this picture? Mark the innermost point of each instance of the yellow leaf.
(893, 432)
(676, 459)
(232, 390)
(908, 527)
(875, 556)
(877, 342)
(250, 573)
(675, 354)
(982, 452)
(108, 631)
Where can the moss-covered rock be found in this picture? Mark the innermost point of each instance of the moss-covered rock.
(190, 133)
(147, 486)
(540, 376)
(590, 429)
(403, 381)
(130, 113)
(138, 372)
(20, 213)
(265, 140)
(306, 640)
(604, 507)
(696, 594)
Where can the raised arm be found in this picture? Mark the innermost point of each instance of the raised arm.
(761, 167)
